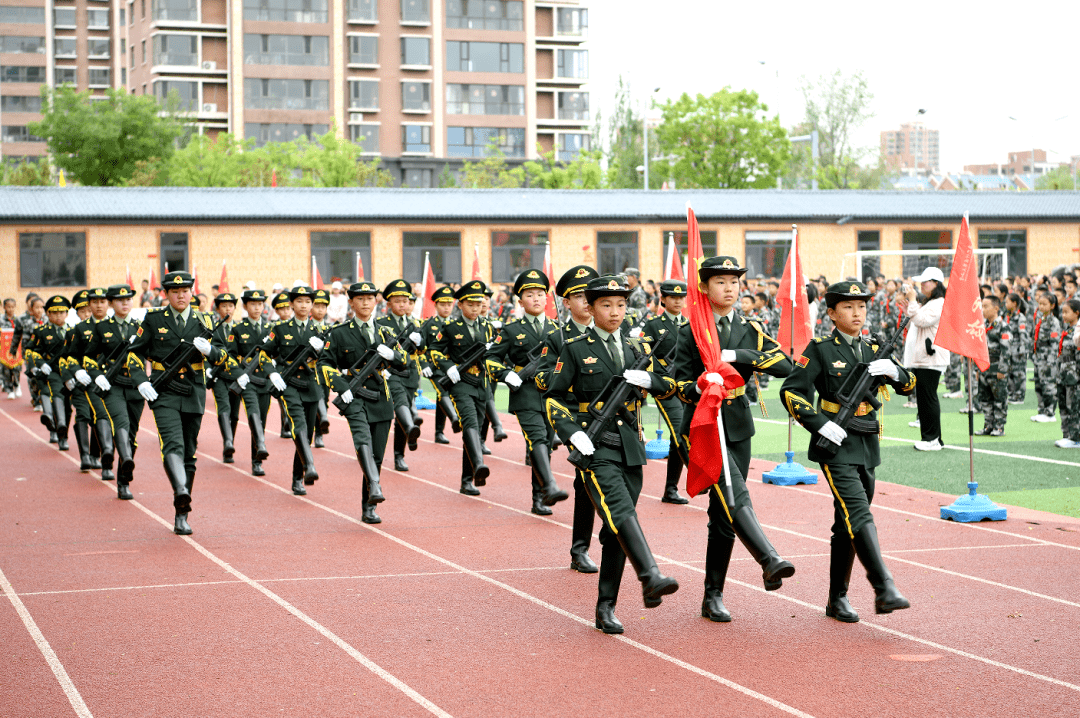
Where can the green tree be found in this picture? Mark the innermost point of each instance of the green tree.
(836, 106)
(101, 142)
(332, 161)
(25, 173)
(583, 172)
(623, 147)
(1057, 178)
(491, 172)
(724, 140)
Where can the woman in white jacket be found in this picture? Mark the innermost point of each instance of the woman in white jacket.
(925, 360)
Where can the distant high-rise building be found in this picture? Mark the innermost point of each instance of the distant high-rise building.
(912, 148)
(1019, 164)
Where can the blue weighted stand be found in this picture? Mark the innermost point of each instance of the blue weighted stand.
(789, 473)
(422, 402)
(973, 507)
(657, 448)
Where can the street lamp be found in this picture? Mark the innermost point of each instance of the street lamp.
(645, 128)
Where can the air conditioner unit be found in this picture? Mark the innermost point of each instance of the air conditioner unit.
(209, 65)
(209, 107)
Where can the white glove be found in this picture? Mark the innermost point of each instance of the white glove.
(496, 323)
(70, 384)
(243, 381)
(209, 373)
(714, 378)
(884, 367)
(727, 355)
(637, 377)
(582, 443)
(385, 352)
(833, 432)
(385, 373)
(416, 339)
(426, 371)
(346, 396)
(147, 391)
(203, 345)
(83, 377)
(512, 379)
(488, 345)
(103, 383)
(277, 381)
(45, 369)
(453, 374)
(316, 343)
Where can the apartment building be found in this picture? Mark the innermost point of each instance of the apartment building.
(913, 148)
(416, 83)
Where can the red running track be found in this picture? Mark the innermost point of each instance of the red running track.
(460, 606)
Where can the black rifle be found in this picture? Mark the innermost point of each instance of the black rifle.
(402, 340)
(528, 372)
(297, 359)
(860, 386)
(251, 365)
(181, 358)
(604, 408)
(474, 354)
(368, 363)
(115, 364)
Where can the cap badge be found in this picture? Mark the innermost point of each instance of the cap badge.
(728, 264)
(854, 289)
(533, 275)
(178, 280)
(613, 284)
(581, 273)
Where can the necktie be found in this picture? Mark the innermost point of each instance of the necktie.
(616, 353)
(179, 321)
(725, 330)
(857, 349)
(366, 331)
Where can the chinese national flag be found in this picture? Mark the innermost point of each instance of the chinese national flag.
(706, 457)
(127, 276)
(476, 262)
(316, 278)
(673, 267)
(427, 288)
(195, 276)
(793, 302)
(359, 268)
(223, 283)
(549, 308)
(962, 328)
(153, 281)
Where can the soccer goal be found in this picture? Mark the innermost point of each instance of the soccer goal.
(993, 263)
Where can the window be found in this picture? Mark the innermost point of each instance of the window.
(363, 11)
(443, 249)
(22, 15)
(123, 77)
(123, 46)
(766, 252)
(64, 17)
(142, 11)
(573, 105)
(485, 99)
(616, 251)
(133, 54)
(64, 46)
(17, 103)
(17, 133)
(416, 96)
(280, 132)
(62, 75)
(477, 141)
(52, 259)
(682, 245)
(416, 177)
(174, 252)
(286, 50)
(572, 144)
(186, 10)
(573, 63)
(416, 51)
(485, 56)
(416, 138)
(364, 50)
(187, 93)
(869, 241)
(265, 94)
(123, 16)
(98, 47)
(514, 252)
(97, 19)
(367, 136)
(418, 11)
(21, 44)
(364, 95)
(1014, 240)
(177, 50)
(922, 241)
(100, 77)
(485, 15)
(572, 21)
(16, 73)
(335, 255)
(286, 10)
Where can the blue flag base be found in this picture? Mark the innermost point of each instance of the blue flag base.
(422, 402)
(789, 473)
(973, 507)
(657, 448)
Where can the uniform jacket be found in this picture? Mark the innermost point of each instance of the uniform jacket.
(1046, 335)
(409, 376)
(555, 340)
(47, 345)
(1019, 337)
(155, 340)
(510, 352)
(998, 340)
(345, 345)
(450, 346)
(662, 334)
(106, 336)
(284, 342)
(429, 329)
(78, 339)
(1068, 370)
(238, 341)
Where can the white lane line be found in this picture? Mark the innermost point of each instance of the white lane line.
(72, 693)
(355, 654)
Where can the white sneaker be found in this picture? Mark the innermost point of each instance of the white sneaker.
(18, 392)
(1014, 402)
(911, 405)
(1044, 419)
(1066, 444)
(934, 445)
(914, 424)
(11, 396)
(954, 395)
(38, 408)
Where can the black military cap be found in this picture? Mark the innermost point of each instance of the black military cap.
(177, 280)
(489, 291)
(532, 279)
(574, 280)
(57, 303)
(397, 288)
(97, 293)
(82, 298)
(281, 300)
(474, 290)
(224, 298)
(672, 288)
(321, 297)
(119, 291)
(844, 291)
(715, 266)
(443, 294)
(361, 288)
(302, 291)
(253, 295)
(610, 285)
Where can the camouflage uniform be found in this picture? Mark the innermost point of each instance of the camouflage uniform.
(952, 374)
(824, 324)
(1068, 389)
(1019, 350)
(637, 299)
(875, 312)
(994, 392)
(1045, 348)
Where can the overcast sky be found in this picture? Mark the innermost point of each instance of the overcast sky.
(971, 66)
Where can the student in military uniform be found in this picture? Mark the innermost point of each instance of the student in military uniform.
(86, 402)
(178, 408)
(994, 382)
(46, 347)
(1044, 346)
(470, 390)
(1069, 376)
(614, 476)
(226, 403)
(369, 417)
(320, 303)
(82, 417)
(301, 393)
(822, 369)
(404, 381)
(491, 419)
(283, 309)
(747, 347)
(508, 355)
(1019, 339)
(571, 288)
(637, 301)
(444, 305)
(662, 334)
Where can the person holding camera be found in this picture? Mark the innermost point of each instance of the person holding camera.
(921, 356)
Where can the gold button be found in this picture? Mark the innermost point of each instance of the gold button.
(619, 422)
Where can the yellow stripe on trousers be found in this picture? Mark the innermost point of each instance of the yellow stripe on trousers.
(847, 516)
(603, 502)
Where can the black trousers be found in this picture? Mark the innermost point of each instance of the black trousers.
(926, 384)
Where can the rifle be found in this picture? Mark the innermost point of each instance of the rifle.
(298, 359)
(250, 366)
(115, 364)
(368, 363)
(612, 397)
(860, 387)
(474, 354)
(402, 340)
(528, 372)
(184, 353)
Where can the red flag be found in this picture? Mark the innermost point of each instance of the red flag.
(962, 328)
(427, 288)
(195, 276)
(793, 302)
(153, 281)
(7, 338)
(673, 266)
(359, 268)
(706, 453)
(223, 283)
(316, 278)
(476, 261)
(549, 307)
(127, 276)
(273, 178)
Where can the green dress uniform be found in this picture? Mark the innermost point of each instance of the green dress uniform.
(46, 347)
(755, 351)
(83, 392)
(82, 416)
(322, 411)
(820, 372)
(404, 381)
(430, 329)
(470, 393)
(613, 479)
(226, 404)
(179, 406)
(508, 355)
(281, 301)
(491, 412)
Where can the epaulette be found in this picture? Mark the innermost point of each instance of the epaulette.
(819, 340)
(754, 324)
(155, 309)
(579, 337)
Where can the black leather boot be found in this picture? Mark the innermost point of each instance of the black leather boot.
(717, 558)
(886, 598)
(105, 440)
(229, 449)
(126, 470)
(551, 494)
(475, 456)
(440, 438)
(181, 526)
(581, 535)
(405, 422)
(286, 425)
(258, 439)
(399, 463)
(440, 424)
(319, 443)
(95, 449)
(612, 562)
(123, 492)
(369, 516)
(60, 417)
(257, 469)
(674, 473)
(322, 418)
(298, 486)
(496, 422)
(52, 438)
(841, 560)
(556, 442)
(371, 474)
(773, 568)
(174, 469)
(451, 413)
(47, 417)
(654, 585)
(82, 441)
(303, 452)
(467, 487)
(538, 506)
